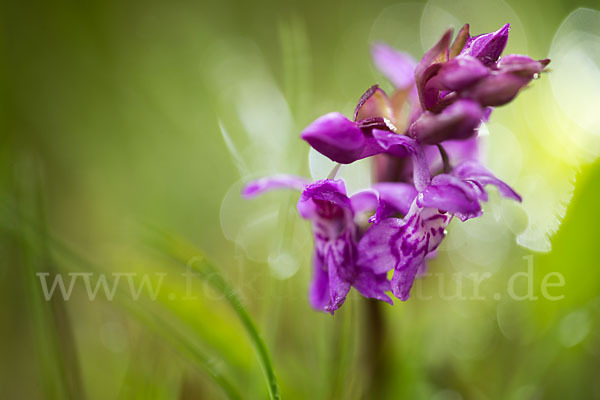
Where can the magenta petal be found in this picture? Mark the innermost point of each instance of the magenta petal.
(401, 144)
(428, 67)
(521, 65)
(259, 186)
(396, 66)
(394, 198)
(339, 285)
(487, 47)
(402, 244)
(377, 246)
(318, 293)
(429, 88)
(450, 194)
(387, 198)
(404, 277)
(457, 121)
(420, 234)
(497, 89)
(474, 171)
(326, 199)
(365, 200)
(461, 72)
(373, 286)
(336, 137)
(393, 143)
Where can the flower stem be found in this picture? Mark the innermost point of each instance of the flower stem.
(445, 160)
(374, 341)
(334, 171)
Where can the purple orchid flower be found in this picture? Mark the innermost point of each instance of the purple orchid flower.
(331, 213)
(428, 124)
(404, 244)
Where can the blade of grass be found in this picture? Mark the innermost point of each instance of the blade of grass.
(52, 327)
(157, 326)
(172, 247)
(183, 345)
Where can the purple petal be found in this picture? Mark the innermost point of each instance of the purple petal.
(461, 72)
(259, 186)
(340, 261)
(521, 65)
(318, 293)
(450, 194)
(394, 198)
(474, 171)
(458, 121)
(336, 137)
(404, 277)
(428, 67)
(396, 66)
(422, 271)
(373, 286)
(487, 47)
(497, 89)
(325, 203)
(422, 232)
(393, 143)
(401, 144)
(402, 244)
(376, 249)
(325, 199)
(438, 53)
(429, 88)
(365, 200)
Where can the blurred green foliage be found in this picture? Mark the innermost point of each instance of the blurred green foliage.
(113, 120)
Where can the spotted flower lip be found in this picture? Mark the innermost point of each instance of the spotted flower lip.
(331, 212)
(403, 244)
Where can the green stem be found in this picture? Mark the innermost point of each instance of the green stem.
(334, 171)
(445, 159)
(374, 334)
(215, 279)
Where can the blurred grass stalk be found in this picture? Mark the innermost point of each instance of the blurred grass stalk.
(53, 332)
(187, 255)
(156, 325)
(52, 329)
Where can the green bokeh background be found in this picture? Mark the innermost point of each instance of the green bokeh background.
(113, 120)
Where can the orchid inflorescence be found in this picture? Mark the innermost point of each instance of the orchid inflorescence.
(423, 142)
